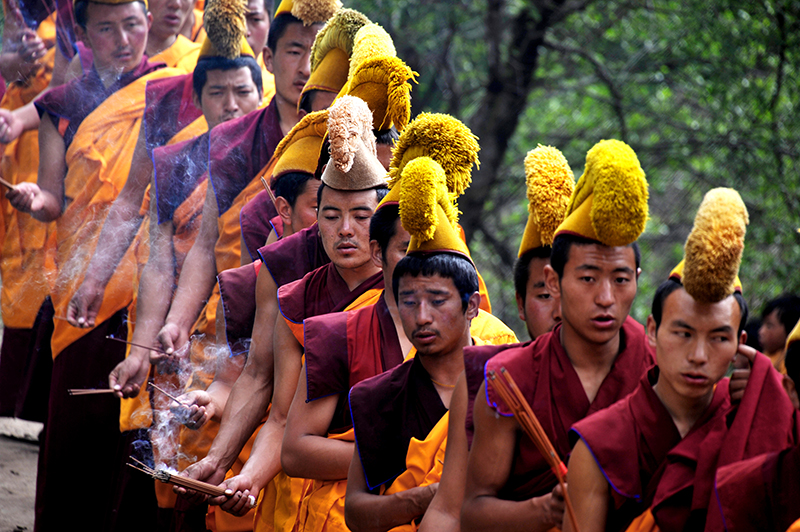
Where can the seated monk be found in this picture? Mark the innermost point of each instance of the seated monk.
(649, 460)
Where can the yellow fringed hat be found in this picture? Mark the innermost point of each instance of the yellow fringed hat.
(550, 183)
(383, 82)
(308, 11)
(444, 139)
(354, 163)
(225, 22)
(299, 150)
(371, 41)
(609, 204)
(330, 55)
(426, 209)
(709, 270)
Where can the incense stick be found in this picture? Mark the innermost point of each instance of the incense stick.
(157, 349)
(89, 391)
(516, 402)
(162, 390)
(7, 184)
(269, 190)
(178, 480)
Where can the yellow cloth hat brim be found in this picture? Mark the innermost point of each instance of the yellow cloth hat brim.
(209, 50)
(677, 274)
(531, 238)
(579, 222)
(445, 239)
(331, 73)
(301, 156)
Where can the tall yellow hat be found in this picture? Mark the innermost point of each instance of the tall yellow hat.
(299, 149)
(330, 55)
(426, 209)
(383, 82)
(444, 139)
(550, 183)
(609, 204)
(225, 22)
(354, 163)
(308, 11)
(709, 270)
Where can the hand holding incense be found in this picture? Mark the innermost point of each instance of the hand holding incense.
(178, 480)
(511, 395)
(162, 390)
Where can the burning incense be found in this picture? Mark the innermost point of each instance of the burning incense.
(157, 349)
(7, 184)
(162, 390)
(513, 398)
(178, 480)
(89, 391)
(269, 190)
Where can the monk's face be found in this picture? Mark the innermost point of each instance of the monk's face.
(116, 34)
(433, 316)
(395, 251)
(169, 16)
(596, 291)
(304, 211)
(539, 309)
(694, 344)
(290, 62)
(343, 220)
(227, 94)
(772, 334)
(385, 155)
(257, 25)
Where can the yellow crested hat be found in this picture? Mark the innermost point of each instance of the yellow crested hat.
(444, 139)
(330, 55)
(794, 336)
(383, 82)
(609, 204)
(299, 150)
(426, 209)
(354, 163)
(550, 183)
(308, 11)
(225, 22)
(371, 41)
(709, 270)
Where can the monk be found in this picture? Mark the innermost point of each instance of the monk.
(592, 359)
(650, 459)
(88, 131)
(777, 320)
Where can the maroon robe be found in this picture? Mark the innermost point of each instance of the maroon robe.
(551, 386)
(387, 411)
(65, 29)
(169, 107)
(240, 149)
(257, 219)
(291, 258)
(344, 348)
(237, 291)
(178, 169)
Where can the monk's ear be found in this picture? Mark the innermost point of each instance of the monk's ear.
(375, 252)
(551, 281)
(196, 99)
(651, 331)
(473, 305)
(791, 391)
(743, 337)
(268, 58)
(521, 306)
(284, 210)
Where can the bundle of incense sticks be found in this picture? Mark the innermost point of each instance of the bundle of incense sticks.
(89, 391)
(7, 184)
(151, 348)
(513, 398)
(269, 190)
(178, 480)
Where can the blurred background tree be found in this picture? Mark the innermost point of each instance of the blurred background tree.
(704, 92)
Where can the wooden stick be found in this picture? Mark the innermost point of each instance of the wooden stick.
(89, 391)
(516, 402)
(162, 390)
(157, 349)
(269, 190)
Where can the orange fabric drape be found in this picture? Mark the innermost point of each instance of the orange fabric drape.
(182, 55)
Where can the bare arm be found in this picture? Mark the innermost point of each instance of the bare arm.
(306, 451)
(368, 512)
(488, 470)
(119, 230)
(444, 513)
(197, 280)
(588, 490)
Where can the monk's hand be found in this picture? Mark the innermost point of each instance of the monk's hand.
(195, 410)
(205, 470)
(127, 377)
(240, 495)
(10, 128)
(554, 506)
(172, 340)
(30, 50)
(26, 197)
(742, 362)
(85, 304)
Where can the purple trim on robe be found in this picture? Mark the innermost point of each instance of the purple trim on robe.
(290, 258)
(177, 171)
(169, 107)
(344, 348)
(256, 220)
(387, 411)
(240, 149)
(77, 99)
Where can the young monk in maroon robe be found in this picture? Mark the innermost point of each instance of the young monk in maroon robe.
(649, 461)
(592, 359)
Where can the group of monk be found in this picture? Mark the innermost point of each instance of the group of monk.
(222, 221)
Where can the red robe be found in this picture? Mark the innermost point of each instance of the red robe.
(169, 108)
(551, 386)
(178, 169)
(291, 258)
(257, 221)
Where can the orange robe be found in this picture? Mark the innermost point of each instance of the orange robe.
(182, 55)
